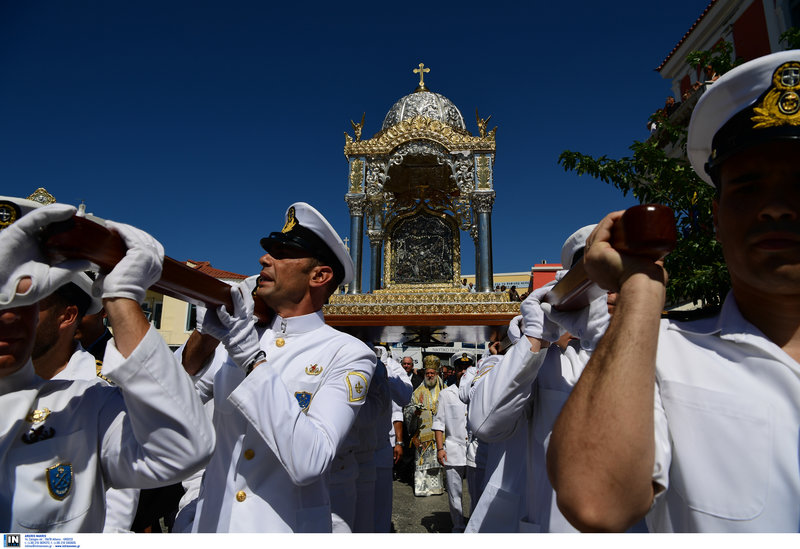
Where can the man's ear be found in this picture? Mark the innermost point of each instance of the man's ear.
(69, 317)
(714, 206)
(321, 275)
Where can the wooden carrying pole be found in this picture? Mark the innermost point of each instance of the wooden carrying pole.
(80, 238)
(646, 230)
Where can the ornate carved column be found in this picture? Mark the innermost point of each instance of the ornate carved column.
(473, 232)
(375, 244)
(482, 202)
(356, 202)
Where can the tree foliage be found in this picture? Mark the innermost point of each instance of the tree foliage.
(696, 267)
(792, 38)
(719, 58)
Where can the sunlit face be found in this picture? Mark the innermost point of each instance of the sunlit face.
(756, 218)
(17, 333)
(284, 278)
(430, 377)
(407, 364)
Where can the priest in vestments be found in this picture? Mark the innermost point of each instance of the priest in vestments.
(428, 475)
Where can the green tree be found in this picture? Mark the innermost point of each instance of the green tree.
(792, 38)
(719, 58)
(696, 267)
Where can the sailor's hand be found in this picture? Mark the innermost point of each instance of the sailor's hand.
(139, 269)
(397, 453)
(238, 332)
(609, 268)
(535, 324)
(22, 260)
(587, 324)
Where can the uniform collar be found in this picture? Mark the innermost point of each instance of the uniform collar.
(297, 324)
(21, 379)
(729, 324)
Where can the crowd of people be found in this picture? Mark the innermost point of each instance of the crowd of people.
(606, 418)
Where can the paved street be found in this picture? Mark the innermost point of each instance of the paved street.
(411, 514)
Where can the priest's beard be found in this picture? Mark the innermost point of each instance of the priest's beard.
(430, 383)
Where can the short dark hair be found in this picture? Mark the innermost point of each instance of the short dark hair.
(71, 294)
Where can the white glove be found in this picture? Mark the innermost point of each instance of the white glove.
(587, 324)
(237, 332)
(535, 324)
(515, 329)
(139, 269)
(383, 354)
(20, 257)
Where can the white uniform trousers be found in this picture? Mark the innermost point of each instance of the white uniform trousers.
(455, 477)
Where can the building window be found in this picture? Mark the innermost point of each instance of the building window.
(794, 13)
(157, 308)
(191, 317)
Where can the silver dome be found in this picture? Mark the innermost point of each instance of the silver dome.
(426, 104)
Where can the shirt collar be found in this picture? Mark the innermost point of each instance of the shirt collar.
(297, 324)
(728, 323)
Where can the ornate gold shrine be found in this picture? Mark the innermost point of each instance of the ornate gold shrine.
(417, 184)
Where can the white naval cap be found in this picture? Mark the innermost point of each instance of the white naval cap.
(12, 208)
(462, 360)
(307, 229)
(755, 102)
(575, 243)
(84, 282)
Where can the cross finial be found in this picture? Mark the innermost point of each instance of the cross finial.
(421, 71)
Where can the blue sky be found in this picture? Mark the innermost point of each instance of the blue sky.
(201, 121)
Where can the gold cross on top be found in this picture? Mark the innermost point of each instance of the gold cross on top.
(421, 71)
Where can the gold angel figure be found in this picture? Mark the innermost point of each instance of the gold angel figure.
(482, 123)
(358, 127)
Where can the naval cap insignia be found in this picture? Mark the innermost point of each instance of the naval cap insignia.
(59, 480)
(9, 212)
(291, 221)
(357, 385)
(780, 106)
(314, 370)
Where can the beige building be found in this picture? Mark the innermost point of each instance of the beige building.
(542, 273)
(175, 319)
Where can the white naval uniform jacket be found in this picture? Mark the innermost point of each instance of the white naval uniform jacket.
(147, 431)
(727, 420)
(525, 391)
(121, 503)
(451, 418)
(279, 428)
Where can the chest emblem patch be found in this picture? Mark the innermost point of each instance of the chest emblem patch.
(356, 386)
(303, 399)
(59, 480)
(314, 370)
(38, 416)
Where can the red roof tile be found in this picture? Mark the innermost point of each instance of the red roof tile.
(206, 268)
(685, 36)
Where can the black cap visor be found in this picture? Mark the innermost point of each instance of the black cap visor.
(304, 239)
(738, 134)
